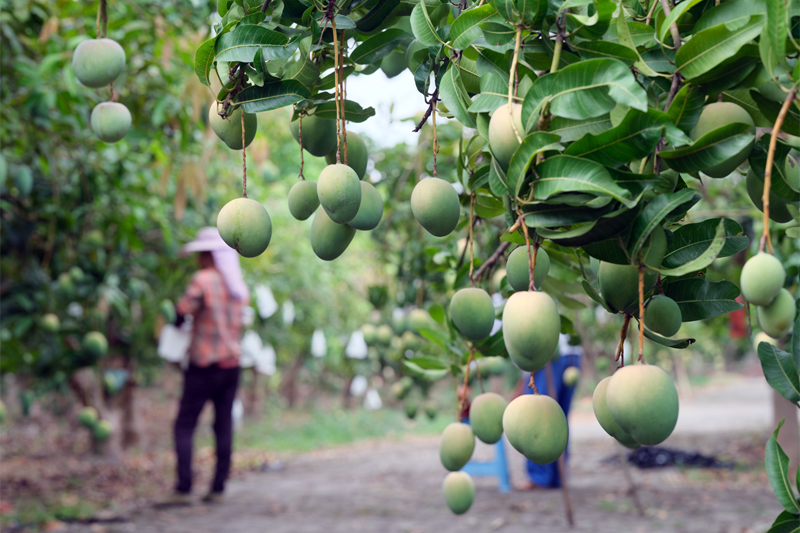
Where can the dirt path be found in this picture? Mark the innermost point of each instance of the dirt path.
(394, 487)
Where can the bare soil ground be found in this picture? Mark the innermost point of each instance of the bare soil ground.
(394, 486)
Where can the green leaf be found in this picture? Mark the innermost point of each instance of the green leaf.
(572, 130)
(532, 145)
(777, 463)
(770, 109)
(428, 362)
(772, 45)
(686, 107)
(700, 300)
(678, 344)
(508, 10)
(494, 93)
(222, 7)
(711, 149)
(787, 526)
(497, 34)
(625, 39)
(497, 179)
(652, 216)
(703, 259)
(423, 27)
(342, 23)
(692, 240)
(605, 50)
(610, 250)
(796, 335)
(781, 185)
(378, 46)
(634, 138)
(493, 346)
(203, 59)
(542, 215)
(594, 295)
(375, 17)
(604, 228)
(244, 41)
(785, 516)
(732, 14)
(455, 96)
(708, 48)
(563, 173)
(304, 70)
(676, 13)
(466, 28)
(436, 336)
(352, 111)
(413, 369)
(272, 96)
(437, 313)
(584, 90)
(779, 370)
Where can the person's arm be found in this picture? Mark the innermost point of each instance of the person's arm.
(191, 301)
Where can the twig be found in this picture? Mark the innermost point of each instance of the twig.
(466, 380)
(336, 82)
(532, 384)
(511, 77)
(102, 19)
(342, 96)
(498, 253)
(300, 137)
(773, 142)
(531, 256)
(641, 312)
(431, 105)
(244, 159)
(471, 238)
(676, 35)
(623, 334)
(265, 5)
(435, 139)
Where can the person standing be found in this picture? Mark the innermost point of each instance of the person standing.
(215, 299)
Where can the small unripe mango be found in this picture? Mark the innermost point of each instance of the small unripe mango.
(303, 199)
(531, 326)
(370, 211)
(776, 318)
(456, 446)
(619, 284)
(50, 322)
(95, 343)
(110, 121)
(762, 278)
(518, 269)
(434, 203)
(763, 337)
(472, 311)
(663, 316)
(102, 430)
(230, 129)
(88, 416)
(329, 240)
(643, 401)
(459, 491)
(502, 138)
(486, 416)
(536, 427)
(319, 134)
(339, 192)
(571, 376)
(245, 226)
(98, 62)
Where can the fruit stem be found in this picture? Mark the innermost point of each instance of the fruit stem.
(531, 256)
(102, 18)
(343, 95)
(471, 238)
(300, 137)
(676, 35)
(623, 334)
(532, 384)
(336, 92)
(773, 142)
(641, 312)
(244, 159)
(435, 139)
(466, 379)
(480, 378)
(511, 76)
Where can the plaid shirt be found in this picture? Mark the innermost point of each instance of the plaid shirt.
(217, 323)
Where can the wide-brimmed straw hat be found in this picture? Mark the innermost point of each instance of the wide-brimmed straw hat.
(207, 240)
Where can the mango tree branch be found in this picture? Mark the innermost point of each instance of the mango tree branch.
(673, 29)
(511, 77)
(773, 142)
(498, 253)
(623, 334)
(641, 312)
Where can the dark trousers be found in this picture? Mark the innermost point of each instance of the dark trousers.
(201, 384)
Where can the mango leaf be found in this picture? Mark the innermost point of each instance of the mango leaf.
(786, 526)
(796, 336)
(700, 300)
(466, 28)
(626, 39)
(678, 344)
(497, 34)
(436, 336)
(352, 111)
(584, 90)
(711, 149)
(777, 463)
(497, 179)
(676, 13)
(494, 93)
(594, 295)
(772, 45)
(413, 369)
(378, 46)
(304, 70)
(610, 250)
(785, 516)
(572, 130)
(742, 98)
(605, 50)
(222, 7)
(708, 48)
(423, 27)
(730, 13)
(375, 17)
(455, 96)
(780, 181)
(702, 260)
(533, 144)
(342, 23)
(692, 240)
(686, 107)
(203, 59)
(508, 10)
(494, 345)
(244, 41)
(641, 34)
(563, 173)
(652, 216)
(437, 313)
(770, 109)
(634, 138)
(542, 215)
(428, 362)
(604, 228)
(272, 96)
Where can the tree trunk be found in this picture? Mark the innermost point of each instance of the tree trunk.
(789, 437)
(289, 386)
(252, 405)
(346, 396)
